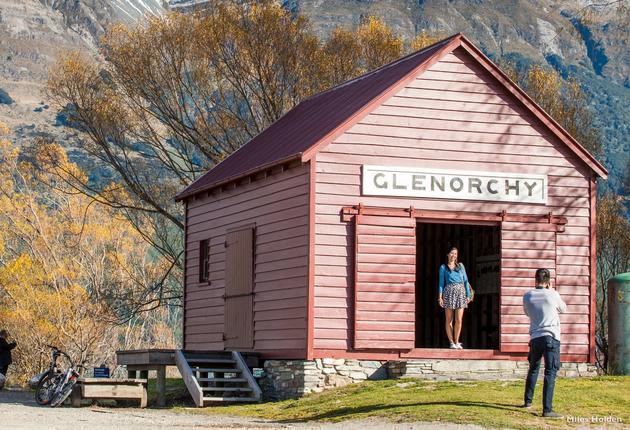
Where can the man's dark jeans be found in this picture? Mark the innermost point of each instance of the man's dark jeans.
(548, 348)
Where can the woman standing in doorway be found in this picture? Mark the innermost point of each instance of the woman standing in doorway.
(454, 296)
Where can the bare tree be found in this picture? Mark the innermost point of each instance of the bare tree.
(613, 257)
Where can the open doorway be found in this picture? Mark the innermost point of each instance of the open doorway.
(480, 250)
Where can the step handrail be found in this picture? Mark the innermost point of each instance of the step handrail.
(251, 381)
(189, 379)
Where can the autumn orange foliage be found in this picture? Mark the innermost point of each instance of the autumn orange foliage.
(66, 265)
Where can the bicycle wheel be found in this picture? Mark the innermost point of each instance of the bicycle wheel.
(46, 388)
(63, 393)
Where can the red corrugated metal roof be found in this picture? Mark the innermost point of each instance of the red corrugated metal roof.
(311, 121)
(308, 122)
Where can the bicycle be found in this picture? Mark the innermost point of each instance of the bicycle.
(55, 386)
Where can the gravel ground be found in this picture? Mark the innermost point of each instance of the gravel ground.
(18, 411)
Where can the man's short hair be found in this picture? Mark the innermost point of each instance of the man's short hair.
(543, 276)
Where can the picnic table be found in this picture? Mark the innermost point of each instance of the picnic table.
(140, 361)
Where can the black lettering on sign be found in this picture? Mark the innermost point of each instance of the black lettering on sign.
(509, 187)
(396, 186)
(417, 182)
(474, 183)
(383, 184)
(490, 189)
(530, 187)
(457, 184)
(435, 182)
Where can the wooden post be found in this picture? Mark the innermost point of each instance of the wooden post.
(144, 399)
(75, 397)
(160, 384)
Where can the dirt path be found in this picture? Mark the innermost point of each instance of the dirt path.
(18, 411)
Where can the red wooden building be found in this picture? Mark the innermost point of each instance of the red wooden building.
(322, 236)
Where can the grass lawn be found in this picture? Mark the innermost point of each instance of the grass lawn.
(487, 403)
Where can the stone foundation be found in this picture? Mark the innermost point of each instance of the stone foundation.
(285, 379)
(290, 379)
(478, 369)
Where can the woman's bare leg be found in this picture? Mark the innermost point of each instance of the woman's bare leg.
(449, 324)
(459, 316)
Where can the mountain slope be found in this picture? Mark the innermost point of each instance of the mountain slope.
(575, 36)
(33, 33)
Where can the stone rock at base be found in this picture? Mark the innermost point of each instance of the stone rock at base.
(337, 381)
(311, 379)
(371, 364)
(358, 376)
(286, 375)
(377, 374)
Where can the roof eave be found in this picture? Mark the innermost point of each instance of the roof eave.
(208, 187)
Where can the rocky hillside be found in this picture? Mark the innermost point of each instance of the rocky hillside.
(577, 37)
(32, 34)
(536, 29)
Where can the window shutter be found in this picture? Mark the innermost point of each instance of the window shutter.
(526, 247)
(385, 275)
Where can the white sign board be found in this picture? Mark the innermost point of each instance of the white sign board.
(453, 184)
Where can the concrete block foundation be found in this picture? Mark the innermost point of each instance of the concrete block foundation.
(285, 379)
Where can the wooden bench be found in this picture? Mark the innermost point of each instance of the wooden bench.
(103, 388)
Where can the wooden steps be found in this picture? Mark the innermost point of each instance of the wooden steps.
(215, 370)
(221, 379)
(208, 377)
(212, 360)
(225, 399)
(238, 389)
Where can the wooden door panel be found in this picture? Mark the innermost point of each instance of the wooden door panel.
(239, 289)
(384, 304)
(239, 324)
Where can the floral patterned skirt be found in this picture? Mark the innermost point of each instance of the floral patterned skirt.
(454, 296)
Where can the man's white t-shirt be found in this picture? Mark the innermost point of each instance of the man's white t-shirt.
(543, 306)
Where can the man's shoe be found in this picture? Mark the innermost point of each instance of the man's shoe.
(453, 346)
(525, 405)
(552, 414)
(459, 345)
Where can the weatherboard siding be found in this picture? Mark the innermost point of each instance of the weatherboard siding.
(455, 116)
(278, 207)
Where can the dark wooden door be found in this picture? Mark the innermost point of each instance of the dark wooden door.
(239, 290)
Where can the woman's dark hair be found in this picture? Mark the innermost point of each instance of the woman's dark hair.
(543, 276)
(456, 260)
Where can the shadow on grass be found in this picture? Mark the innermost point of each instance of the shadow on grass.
(348, 412)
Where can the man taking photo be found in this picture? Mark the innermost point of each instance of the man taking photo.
(543, 305)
